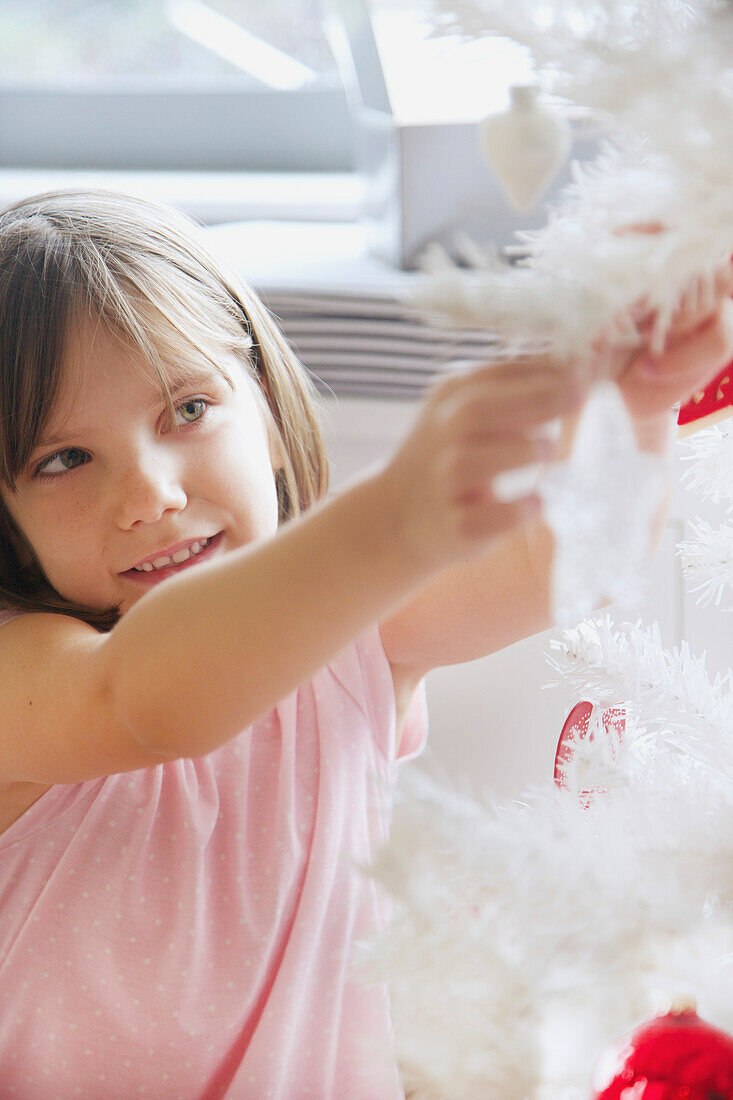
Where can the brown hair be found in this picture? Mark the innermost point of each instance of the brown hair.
(143, 270)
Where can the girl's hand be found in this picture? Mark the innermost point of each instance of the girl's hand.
(472, 427)
(698, 344)
(679, 355)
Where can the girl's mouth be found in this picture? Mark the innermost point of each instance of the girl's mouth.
(155, 576)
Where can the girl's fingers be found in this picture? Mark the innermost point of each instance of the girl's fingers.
(525, 368)
(660, 331)
(699, 302)
(653, 385)
(642, 326)
(688, 307)
(641, 311)
(474, 468)
(705, 298)
(704, 350)
(484, 407)
(519, 409)
(724, 281)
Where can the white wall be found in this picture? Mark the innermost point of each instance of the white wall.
(492, 725)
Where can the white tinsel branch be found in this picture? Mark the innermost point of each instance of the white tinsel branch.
(707, 557)
(707, 560)
(526, 937)
(546, 927)
(711, 463)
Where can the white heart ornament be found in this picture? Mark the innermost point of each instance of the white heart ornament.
(525, 145)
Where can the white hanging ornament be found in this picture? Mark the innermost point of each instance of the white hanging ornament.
(600, 505)
(525, 145)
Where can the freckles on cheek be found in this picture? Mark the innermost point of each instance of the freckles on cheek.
(61, 540)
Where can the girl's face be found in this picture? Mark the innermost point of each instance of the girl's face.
(114, 484)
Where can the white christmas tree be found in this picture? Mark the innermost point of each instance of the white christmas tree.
(527, 937)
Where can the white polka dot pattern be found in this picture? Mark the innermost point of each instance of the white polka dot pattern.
(185, 930)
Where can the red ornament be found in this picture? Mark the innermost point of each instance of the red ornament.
(710, 405)
(613, 720)
(672, 1057)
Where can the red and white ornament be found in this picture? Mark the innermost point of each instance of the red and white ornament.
(582, 726)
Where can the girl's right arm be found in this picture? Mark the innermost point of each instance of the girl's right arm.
(204, 654)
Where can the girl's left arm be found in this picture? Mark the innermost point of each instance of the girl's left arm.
(485, 605)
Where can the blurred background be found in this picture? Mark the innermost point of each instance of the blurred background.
(323, 145)
(170, 84)
(117, 83)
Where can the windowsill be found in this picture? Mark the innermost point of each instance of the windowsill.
(210, 197)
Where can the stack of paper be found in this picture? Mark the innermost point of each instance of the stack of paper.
(345, 313)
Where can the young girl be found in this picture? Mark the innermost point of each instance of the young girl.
(209, 672)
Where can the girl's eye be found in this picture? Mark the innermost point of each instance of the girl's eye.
(68, 459)
(193, 409)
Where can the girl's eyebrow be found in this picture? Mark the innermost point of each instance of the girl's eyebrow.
(192, 377)
(176, 383)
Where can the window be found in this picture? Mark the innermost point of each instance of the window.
(226, 85)
(180, 84)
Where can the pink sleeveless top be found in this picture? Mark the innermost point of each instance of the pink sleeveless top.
(186, 931)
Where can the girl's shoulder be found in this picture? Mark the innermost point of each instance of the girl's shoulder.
(42, 623)
(8, 613)
(61, 719)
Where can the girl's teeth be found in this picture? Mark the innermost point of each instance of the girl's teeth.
(178, 558)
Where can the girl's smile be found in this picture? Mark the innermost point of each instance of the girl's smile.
(169, 562)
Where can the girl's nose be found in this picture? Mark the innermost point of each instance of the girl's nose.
(147, 488)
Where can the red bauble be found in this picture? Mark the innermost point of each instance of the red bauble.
(673, 1057)
(575, 729)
